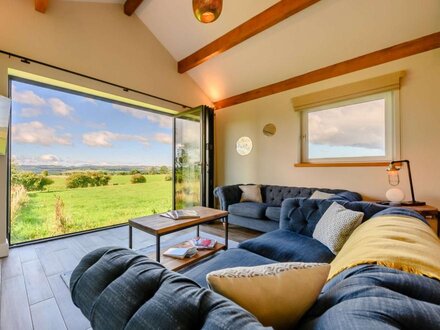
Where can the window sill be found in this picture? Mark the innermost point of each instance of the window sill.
(341, 164)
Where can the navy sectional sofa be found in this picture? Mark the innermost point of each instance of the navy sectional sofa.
(265, 216)
(117, 288)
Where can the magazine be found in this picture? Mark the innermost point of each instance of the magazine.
(180, 253)
(181, 214)
(202, 243)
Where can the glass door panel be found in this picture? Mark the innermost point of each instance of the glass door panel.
(193, 158)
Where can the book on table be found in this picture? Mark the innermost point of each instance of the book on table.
(202, 243)
(181, 214)
(180, 252)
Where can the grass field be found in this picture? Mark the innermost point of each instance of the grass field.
(93, 207)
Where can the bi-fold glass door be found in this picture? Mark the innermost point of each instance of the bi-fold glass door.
(194, 158)
(80, 163)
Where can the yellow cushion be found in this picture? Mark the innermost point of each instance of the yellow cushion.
(277, 294)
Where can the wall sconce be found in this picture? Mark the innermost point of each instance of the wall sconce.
(393, 179)
(207, 11)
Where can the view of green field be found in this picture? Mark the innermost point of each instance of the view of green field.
(88, 208)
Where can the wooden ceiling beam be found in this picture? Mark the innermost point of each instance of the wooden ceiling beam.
(271, 16)
(385, 55)
(41, 5)
(130, 6)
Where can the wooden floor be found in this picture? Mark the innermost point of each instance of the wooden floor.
(33, 294)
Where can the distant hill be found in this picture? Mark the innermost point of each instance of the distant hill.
(56, 169)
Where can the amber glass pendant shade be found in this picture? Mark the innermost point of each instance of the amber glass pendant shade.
(207, 11)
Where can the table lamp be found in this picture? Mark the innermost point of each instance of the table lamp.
(393, 179)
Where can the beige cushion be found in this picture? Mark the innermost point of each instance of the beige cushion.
(336, 225)
(251, 193)
(320, 195)
(277, 294)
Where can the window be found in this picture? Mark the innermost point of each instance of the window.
(351, 124)
(361, 129)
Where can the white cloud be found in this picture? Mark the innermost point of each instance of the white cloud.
(105, 138)
(163, 138)
(50, 159)
(162, 120)
(36, 132)
(30, 112)
(27, 97)
(89, 100)
(60, 108)
(352, 126)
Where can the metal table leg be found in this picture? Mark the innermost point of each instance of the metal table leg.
(226, 225)
(157, 248)
(198, 231)
(130, 237)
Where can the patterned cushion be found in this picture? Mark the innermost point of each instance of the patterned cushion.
(251, 193)
(321, 195)
(277, 294)
(336, 225)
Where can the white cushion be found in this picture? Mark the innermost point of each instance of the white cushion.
(251, 193)
(320, 195)
(336, 226)
(277, 294)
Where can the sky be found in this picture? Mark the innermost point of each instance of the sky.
(51, 127)
(356, 130)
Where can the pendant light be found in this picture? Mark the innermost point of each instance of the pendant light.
(207, 11)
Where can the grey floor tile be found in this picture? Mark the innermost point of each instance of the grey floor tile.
(15, 312)
(47, 316)
(37, 286)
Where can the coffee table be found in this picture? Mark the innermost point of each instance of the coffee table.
(159, 226)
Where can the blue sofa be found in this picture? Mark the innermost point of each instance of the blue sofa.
(116, 288)
(265, 216)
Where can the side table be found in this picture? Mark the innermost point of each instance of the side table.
(430, 213)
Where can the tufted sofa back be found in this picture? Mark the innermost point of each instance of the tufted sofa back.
(275, 195)
(301, 215)
(116, 288)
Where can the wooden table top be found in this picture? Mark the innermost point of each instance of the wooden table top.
(156, 224)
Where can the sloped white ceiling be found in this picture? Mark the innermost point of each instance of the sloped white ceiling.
(323, 34)
(328, 32)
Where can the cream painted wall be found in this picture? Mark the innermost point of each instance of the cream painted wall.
(93, 39)
(271, 161)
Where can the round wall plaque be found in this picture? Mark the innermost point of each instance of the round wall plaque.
(269, 129)
(244, 145)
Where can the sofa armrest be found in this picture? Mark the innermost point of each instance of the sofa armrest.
(228, 195)
(116, 288)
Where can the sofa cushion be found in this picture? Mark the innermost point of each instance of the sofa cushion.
(273, 213)
(321, 195)
(336, 225)
(229, 258)
(285, 245)
(248, 209)
(277, 294)
(251, 193)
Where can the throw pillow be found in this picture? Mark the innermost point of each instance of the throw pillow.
(336, 226)
(277, 294)
(320, 195)
(251, 193)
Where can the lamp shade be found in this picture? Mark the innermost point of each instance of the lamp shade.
(207, 11)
